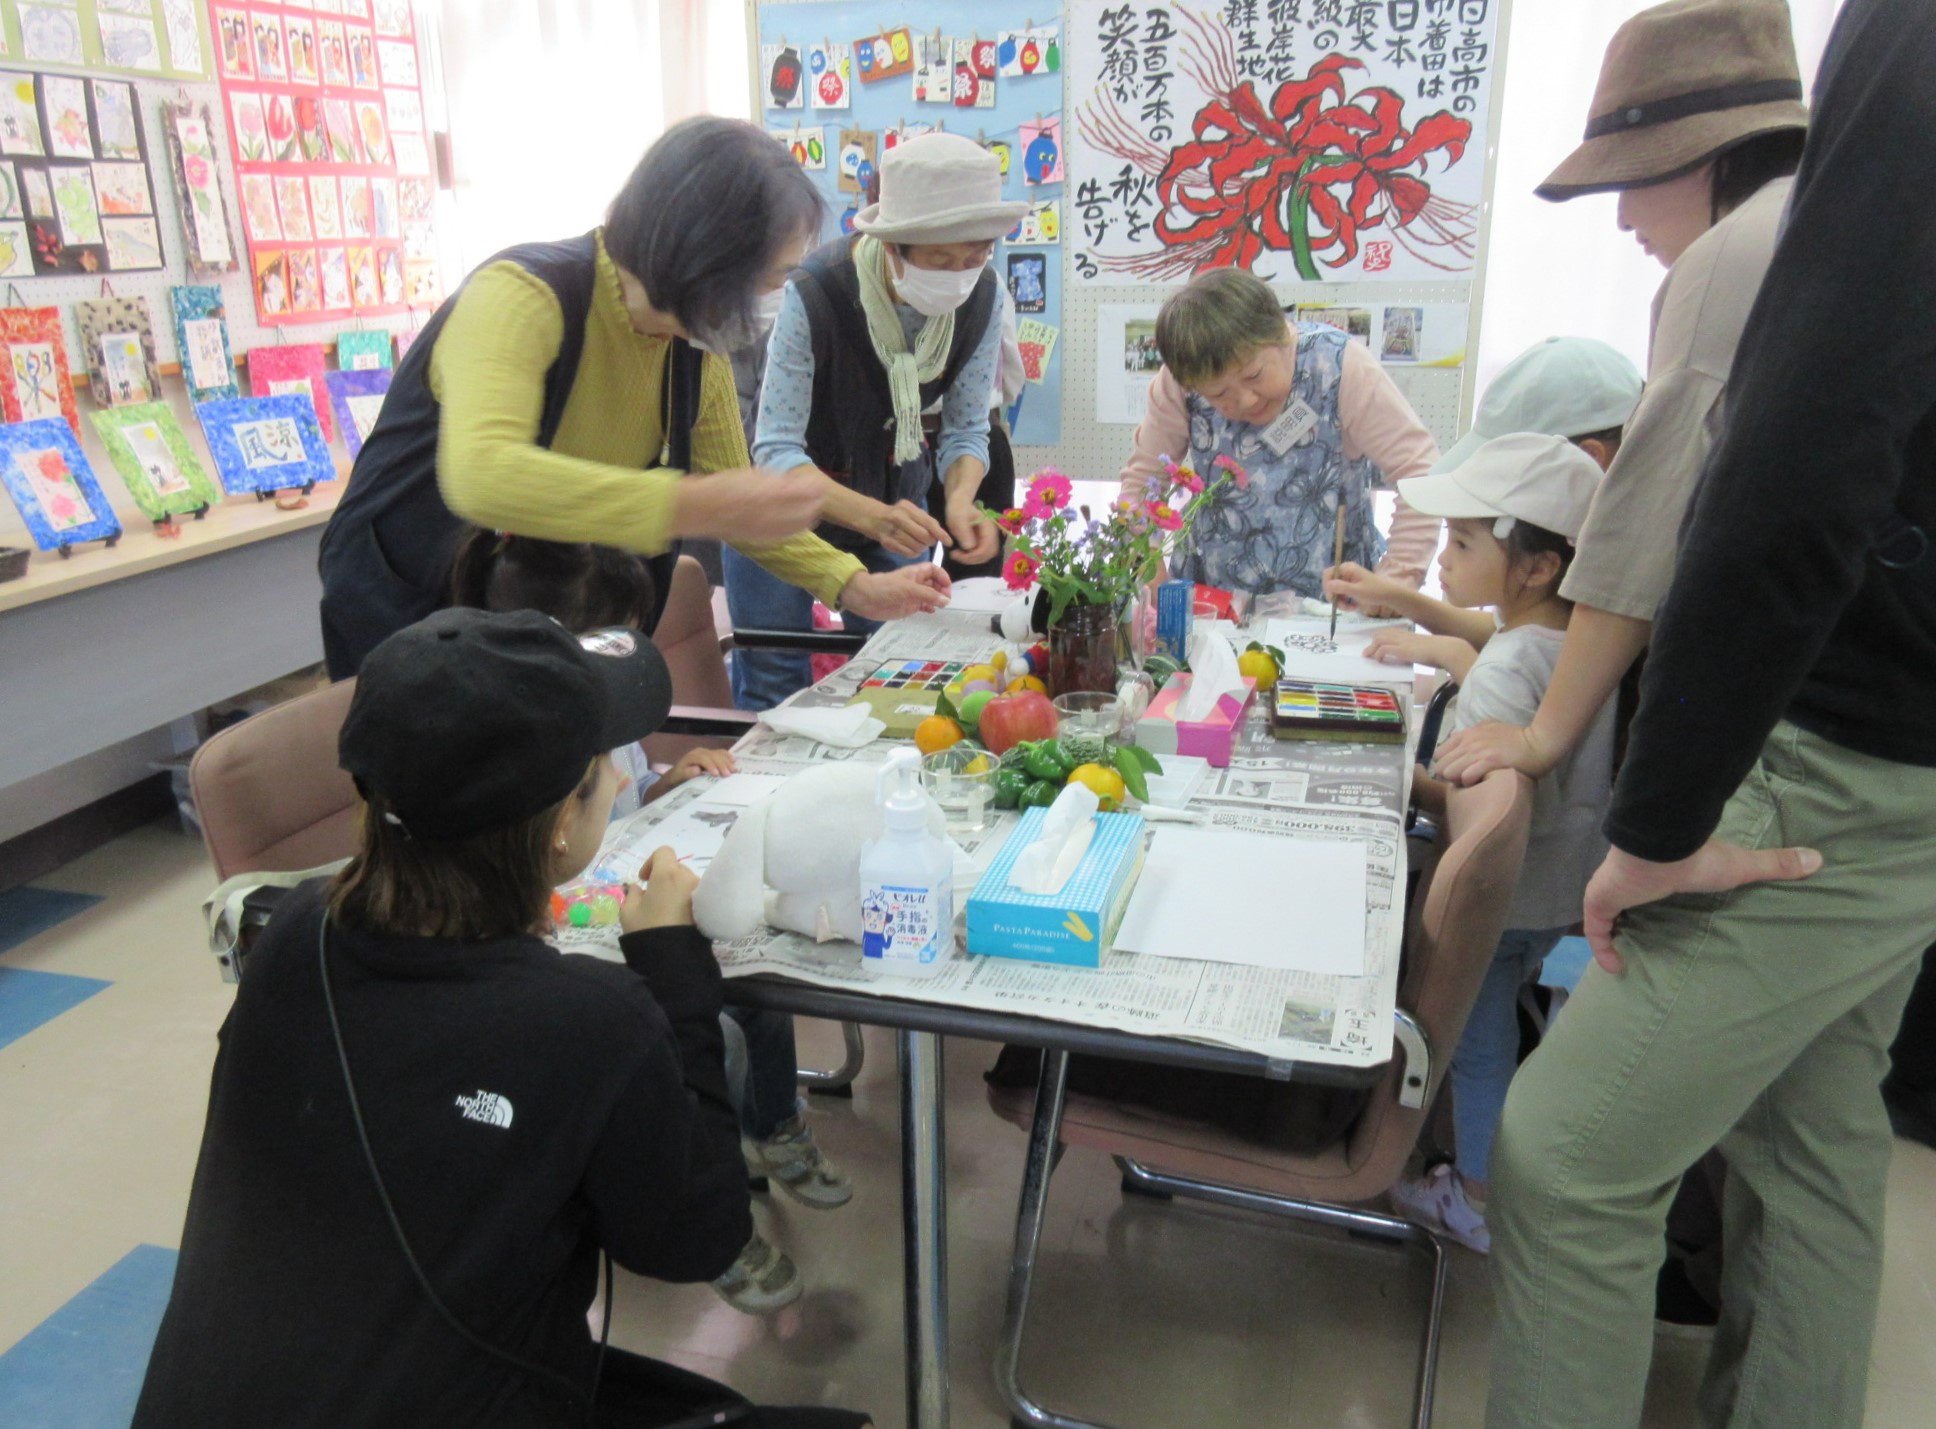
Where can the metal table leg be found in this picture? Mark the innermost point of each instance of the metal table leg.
(924, 1228)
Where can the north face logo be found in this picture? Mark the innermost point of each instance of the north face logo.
(487, 1107)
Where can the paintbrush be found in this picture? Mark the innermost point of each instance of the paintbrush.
(1337, 559)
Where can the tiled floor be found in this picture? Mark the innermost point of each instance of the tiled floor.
(1147, 1315)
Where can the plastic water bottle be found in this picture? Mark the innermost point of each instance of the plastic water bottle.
(907, 887)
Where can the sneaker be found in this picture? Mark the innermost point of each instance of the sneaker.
(793, 1158)
(761, 1280)
(1437, 1202)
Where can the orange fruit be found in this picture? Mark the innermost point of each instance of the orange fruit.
(1106, 784)
(1026, 682)
(936, 733)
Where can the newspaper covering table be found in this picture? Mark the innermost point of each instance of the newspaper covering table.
(1284, 789)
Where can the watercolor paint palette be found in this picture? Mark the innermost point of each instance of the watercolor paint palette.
(915, 675)
(1315, 709)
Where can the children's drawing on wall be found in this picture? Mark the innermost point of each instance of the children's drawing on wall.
(887, 56)
(785, 87)
(1289, 140)
(1028, 282)
(830, 75)
(1026, 52)
(1042, 152)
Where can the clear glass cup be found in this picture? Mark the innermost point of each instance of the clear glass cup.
(1089, 714)
(961, 779)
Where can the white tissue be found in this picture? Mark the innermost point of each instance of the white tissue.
(1049, 862)
(1213, 674)
(847, 728)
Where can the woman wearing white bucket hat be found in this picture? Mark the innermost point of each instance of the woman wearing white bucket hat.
(874, 329)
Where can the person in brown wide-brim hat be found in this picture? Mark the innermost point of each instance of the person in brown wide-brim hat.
(1681, 83)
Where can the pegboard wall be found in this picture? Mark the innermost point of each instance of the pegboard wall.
(1092, 450)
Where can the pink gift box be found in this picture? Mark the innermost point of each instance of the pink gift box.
(1211, 738)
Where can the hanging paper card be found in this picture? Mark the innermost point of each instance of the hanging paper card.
(1026, 52)
(370, 129)
(298, 367)
(1036, 339)
(259, 208)
(20, 131)
(202, 339)
(1040, 226)
(857, 155)
(934, 58)
(265, 443)
(48, 477)
(51, 34)
(16, 251)
(357, 398)
(392, 17)
(234, 46)
(972, 89)
(65, 101)
(892, 139)
(310, 136)
(129, 43)
(182, 20)
(389, 275)
(251, 129)
(189, 133)
(1004, 153)
(333, 53)
(156, 463)
(115, 132)
(292, 204)
(335, 279)
(403, 339)
(122, 188)
(279, 117)
(808, 146)
(305, 288)
(830, 75)
(1042, 152)
(271, 282)
(267, 32)
(362, 56)
(339, 121)
(362, 350)
(132, 244)
(1028, 282)
(363, 289)
(887, 56)
(785, 78)
(34, 383)
(301, 50)
(324, 209)
(131, 370)
(396, 62)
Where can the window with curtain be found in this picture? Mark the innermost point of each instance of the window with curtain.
(1566, 269)
(551, 103)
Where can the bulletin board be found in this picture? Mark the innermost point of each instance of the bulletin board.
(162, 38)
(888, 107)
(1389, 108)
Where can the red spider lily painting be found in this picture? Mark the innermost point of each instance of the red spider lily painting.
(1314, 171)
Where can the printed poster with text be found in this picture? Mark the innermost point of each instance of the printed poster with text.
(1306, 140)
(332, 156)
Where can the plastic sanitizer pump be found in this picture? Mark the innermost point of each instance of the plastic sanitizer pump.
(907, 892)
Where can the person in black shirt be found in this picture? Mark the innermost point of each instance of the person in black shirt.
(425, 1124)
(1786, 733)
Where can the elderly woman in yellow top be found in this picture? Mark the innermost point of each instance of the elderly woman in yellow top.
(572, 390)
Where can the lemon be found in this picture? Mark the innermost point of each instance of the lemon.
(1260, 667)
(1106, 784)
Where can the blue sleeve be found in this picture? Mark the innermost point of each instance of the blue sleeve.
(964, 407)
(786, 396)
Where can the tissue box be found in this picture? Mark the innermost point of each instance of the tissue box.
(1074, 925)
(1212, 737)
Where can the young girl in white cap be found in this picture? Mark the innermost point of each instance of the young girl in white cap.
(1511, 512)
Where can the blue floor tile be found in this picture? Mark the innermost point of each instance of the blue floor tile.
(29, 998)
(25, 912)
(81, 1367)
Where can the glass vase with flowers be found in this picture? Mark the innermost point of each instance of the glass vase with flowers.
(1093, 567)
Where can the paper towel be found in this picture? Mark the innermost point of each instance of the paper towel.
(847, 728)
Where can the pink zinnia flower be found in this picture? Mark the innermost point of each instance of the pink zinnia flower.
(1012, 520)
(1186, 478)
(1018, 571)
(1049, 490)
(1164, 517)
(1237, 473)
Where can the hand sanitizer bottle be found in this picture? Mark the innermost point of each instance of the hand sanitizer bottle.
(907, 884)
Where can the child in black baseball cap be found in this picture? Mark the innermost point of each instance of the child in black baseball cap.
(425, 1123)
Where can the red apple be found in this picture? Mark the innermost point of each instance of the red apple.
(1007, 720)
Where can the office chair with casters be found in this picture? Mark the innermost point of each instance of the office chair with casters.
(1449, 945)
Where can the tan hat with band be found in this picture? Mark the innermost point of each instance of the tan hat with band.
(940, 188)
(1682, 82)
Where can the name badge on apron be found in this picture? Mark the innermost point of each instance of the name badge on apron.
(1291, 428)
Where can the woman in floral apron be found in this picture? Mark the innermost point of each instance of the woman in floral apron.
(1311, 421)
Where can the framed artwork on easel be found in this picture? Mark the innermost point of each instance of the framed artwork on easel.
(151, 452)
(47, 475)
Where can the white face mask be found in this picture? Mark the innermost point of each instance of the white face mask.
(934, 291)
(766, 310)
